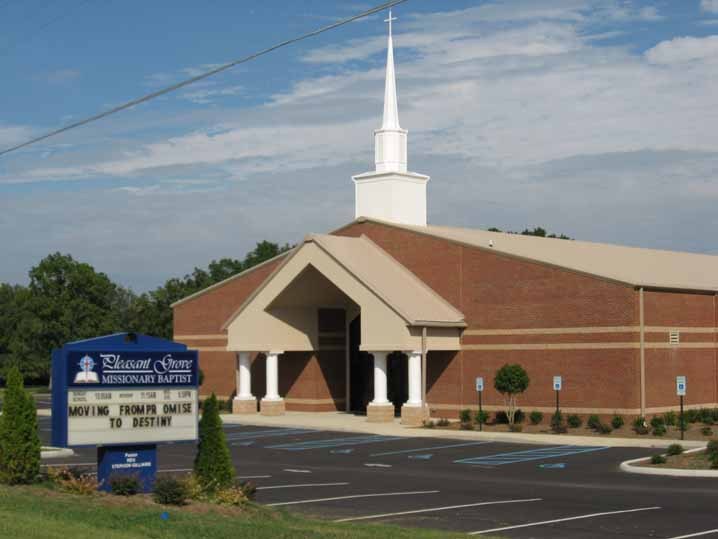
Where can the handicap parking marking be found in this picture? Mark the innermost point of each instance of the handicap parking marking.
(341, 451)
(567, 519)
(515, 457)
(427, 456)
(333, 442)
(432, 448)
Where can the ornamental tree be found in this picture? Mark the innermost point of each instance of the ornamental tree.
(213, 463)
(511, 380)
(19, 440)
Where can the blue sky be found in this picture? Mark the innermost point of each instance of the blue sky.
(594, 118)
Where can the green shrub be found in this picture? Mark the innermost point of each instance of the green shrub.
(124, 484)
(213, 463)
(428, 424)
(691, 416)
(660, 430)
(73, 480)
(640, 421)
(712, 447)
(604, 428)
(574, 421)
(617, 421)
(557, 424)
(19, 440)
(170, 491)
(593, 422)
(675, 449)
(443, 422)
(465, 415)
(706, 416)
(481, 417)
(658, 459)
(707, 431)
(714, 461)
(657, 422)
(535, 417)
(501, 418)
(670, 418)
(511, 380)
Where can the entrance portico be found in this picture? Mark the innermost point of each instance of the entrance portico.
(306, 306)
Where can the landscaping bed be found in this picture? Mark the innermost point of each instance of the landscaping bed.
(686, 461)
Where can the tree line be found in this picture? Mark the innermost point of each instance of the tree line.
(68, 300)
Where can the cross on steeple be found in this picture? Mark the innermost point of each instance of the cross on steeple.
(389, 20)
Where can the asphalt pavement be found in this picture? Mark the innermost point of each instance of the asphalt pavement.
(502, 489)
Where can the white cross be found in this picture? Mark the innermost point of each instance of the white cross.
(389, 21)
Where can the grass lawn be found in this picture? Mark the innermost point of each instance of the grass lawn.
(38, 512)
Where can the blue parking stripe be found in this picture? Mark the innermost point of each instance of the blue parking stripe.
(426, 449)
(334, 442)
(515, 457)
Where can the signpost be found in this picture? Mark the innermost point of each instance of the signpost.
(681, 392)
(480, 390)
(557, 382)
(124, 393)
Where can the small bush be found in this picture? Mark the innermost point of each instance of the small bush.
(501, 418)
(557, 424)
(691, 416)
(465, 415)
(640, 421)
(593, 422)
(675, 449)
(617, 421)
(428, 424)
(535, 417)
(660, 430)
(481, 417)
(658, 459)
(641, 429)
(124, 484)
(657, 422)
(73, 480)
(670, 418)
(171, 491)
(604, 428)
(707, 431)
(515, 427)
(712, 447)
(230, 496)
(519, 416)
(706, 416)
(574, 421)
(714, 461)
(443, 422)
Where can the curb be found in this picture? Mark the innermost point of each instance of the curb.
(418, 432)
(627, 466)
(56, 452)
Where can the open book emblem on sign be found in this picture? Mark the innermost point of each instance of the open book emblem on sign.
(86, 374)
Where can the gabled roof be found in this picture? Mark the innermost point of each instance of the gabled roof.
(649, 268)
(391, 282)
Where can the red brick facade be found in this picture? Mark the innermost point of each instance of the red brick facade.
(551, 320)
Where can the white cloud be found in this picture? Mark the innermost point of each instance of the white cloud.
(684, 49)
(711, 6)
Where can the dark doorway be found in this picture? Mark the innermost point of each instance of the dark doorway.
(361, 371)
(397, 373)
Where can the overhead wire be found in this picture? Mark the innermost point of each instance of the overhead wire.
(202, 76)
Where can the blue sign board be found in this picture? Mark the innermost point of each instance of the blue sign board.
(137, 460)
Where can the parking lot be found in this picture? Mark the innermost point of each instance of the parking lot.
(501, 489)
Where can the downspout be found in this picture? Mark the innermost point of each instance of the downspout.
(423, 367)
(642, 351)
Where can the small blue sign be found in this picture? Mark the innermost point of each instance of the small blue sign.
(132, 460)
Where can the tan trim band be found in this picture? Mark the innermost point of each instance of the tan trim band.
(200, 337)
(211, 349)
(588, 329)
(291, 400)
(571, 410)
(589, 346)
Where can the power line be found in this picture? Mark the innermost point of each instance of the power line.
(202, 76)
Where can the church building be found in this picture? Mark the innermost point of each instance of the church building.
(390, 315)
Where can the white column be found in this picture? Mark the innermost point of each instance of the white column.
(244, 376)
(272, 377)
(414, 378)
(379, 378)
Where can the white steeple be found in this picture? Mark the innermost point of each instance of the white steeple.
(390, 193)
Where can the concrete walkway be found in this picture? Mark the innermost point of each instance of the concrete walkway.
(342, 422)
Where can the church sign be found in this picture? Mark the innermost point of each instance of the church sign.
(124, 395)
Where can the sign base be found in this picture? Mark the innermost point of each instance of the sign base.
(127, 460)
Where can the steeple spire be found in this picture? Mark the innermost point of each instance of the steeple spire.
(391, 109)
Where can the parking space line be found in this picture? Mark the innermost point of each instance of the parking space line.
(432, 509)
(427, 449)
(376, 495)
(514, 457)
(697, 534)
(253, 476)
(579, 517)
(333, 442)
(244, 436)
(303, 485)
